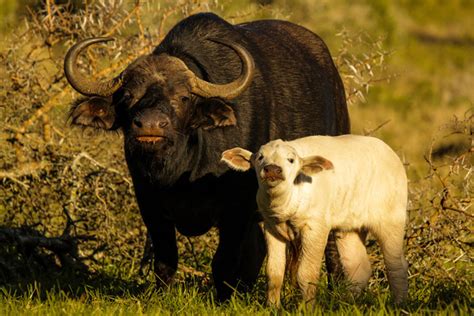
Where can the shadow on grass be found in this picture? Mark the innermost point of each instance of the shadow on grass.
(38, 274)
(72, 283)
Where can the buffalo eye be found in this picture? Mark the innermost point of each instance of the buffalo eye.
(291, 160)
(185, 99)
(125, 97)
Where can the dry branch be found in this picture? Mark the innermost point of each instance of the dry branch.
(369, 132)
(33, 239)
(121, 23)
(22, 170)
(64, 247)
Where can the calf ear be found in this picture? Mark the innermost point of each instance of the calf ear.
(237, 158)
(213, 113)
(315, 164)
(96, 112)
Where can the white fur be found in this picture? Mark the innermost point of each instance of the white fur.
(366, 190)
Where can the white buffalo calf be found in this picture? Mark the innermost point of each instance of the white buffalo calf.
(354, 184)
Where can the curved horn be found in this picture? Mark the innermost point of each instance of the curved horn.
(81, 83)
(234, 88)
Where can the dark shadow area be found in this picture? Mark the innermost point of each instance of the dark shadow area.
(452, 149)
(39, 272)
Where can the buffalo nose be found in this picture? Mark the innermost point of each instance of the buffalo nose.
(272, 169)
(150, 123)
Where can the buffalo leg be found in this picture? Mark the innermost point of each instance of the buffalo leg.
(253, 254)
(163, 237)
(226, 261)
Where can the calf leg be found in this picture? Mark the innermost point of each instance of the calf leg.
(354, 259)
(275, 268)
(313, 242)
(391, 239)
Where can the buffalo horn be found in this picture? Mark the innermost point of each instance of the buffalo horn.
(79, 82)
(234, 88)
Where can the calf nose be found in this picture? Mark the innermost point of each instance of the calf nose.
(272, 169)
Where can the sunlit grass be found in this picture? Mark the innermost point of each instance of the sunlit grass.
(191, 298)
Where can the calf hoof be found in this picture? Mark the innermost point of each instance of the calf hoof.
(273, 304)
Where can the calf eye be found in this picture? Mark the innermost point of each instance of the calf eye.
(291, 160)
(260, 158)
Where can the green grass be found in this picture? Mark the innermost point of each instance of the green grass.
(118, 297)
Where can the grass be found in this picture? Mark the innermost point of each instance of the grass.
(108, 296)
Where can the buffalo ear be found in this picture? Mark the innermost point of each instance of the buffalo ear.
(96, 112)
(315, 164)
(237, 158)
(213, 113)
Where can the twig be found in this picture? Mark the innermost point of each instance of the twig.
(165, 17)
(95, 162)
(196, 261)
(139, 21)
(50, 18)
(371, 131)
(458, 210)
(33, 239)
(190, 270)
(124, 20)
(42, 110)
(23, 170)
(65, 247)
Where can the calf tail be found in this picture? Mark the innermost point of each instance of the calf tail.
(333, 261)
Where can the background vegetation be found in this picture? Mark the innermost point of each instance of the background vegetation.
(71, 237)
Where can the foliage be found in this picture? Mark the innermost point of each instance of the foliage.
(70, 229)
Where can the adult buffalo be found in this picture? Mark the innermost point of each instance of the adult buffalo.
(210, 86)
